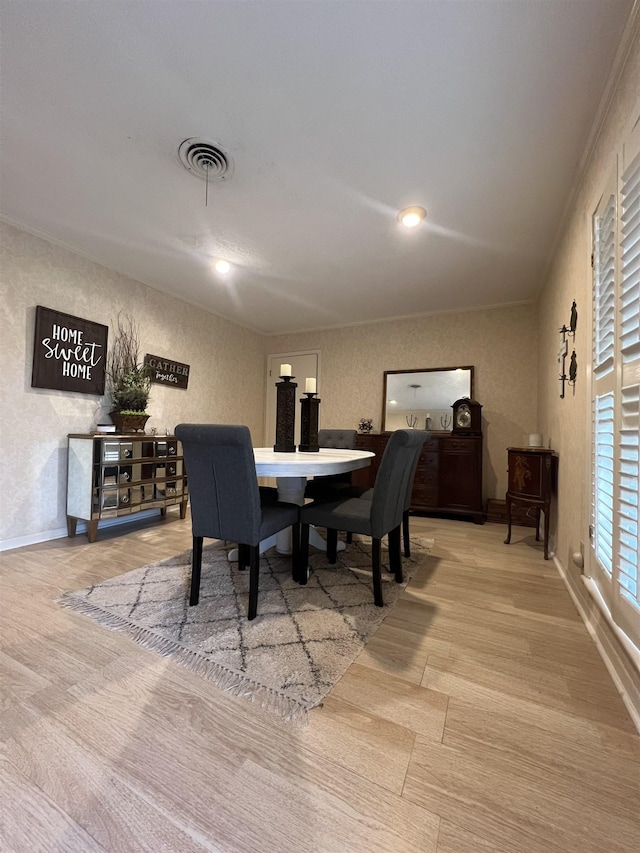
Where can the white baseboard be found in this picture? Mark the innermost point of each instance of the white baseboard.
(61, 532)
(618, 662)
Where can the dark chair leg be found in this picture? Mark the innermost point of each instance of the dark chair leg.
(546, 534)
(296, 563)
(395, 557)
(303, 560)
(332, 546)
(405, 533)
(196, 565)
(349, 538)
(243, 556)
(254, 570)
(376, 550)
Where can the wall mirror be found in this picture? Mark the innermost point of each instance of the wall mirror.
(422, 399)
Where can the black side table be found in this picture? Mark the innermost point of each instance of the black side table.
(532, 482)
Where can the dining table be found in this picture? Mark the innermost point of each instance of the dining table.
(291, 471)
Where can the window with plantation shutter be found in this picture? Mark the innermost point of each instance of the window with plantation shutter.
(604, 285)
(614, 554)
(629, 436)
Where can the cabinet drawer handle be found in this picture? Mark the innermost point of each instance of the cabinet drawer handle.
(126, 453)
(125, 476)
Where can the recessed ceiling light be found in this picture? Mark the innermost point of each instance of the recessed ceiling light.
(410, 217)
(222, 266)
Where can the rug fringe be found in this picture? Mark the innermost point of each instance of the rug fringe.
(233, 682)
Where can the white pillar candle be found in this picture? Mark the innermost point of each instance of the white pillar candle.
(310, 385)
(285, 370)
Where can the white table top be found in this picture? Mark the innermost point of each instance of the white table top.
(326, 461)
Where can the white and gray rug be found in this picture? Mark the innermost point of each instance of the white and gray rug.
(290, 656)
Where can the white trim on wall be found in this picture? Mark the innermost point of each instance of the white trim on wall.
(61, 532)
(619, 663)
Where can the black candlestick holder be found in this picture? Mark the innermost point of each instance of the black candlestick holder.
(309, 424)
(285, 415)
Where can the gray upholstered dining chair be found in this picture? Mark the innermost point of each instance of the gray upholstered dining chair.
(378, 517)
(324, 488)
(407, 499)
(368, 495)
(225, 500)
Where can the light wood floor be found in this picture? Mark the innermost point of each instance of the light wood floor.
(479, 718)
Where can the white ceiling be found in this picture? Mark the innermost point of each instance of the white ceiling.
(337, 113)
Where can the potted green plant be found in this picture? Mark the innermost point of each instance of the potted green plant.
(128, 380)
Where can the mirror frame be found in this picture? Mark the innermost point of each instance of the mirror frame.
(388, 373)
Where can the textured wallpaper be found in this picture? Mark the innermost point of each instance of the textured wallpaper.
(227, 371)
(226, 382)
(501, 344)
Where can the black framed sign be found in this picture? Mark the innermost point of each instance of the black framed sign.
(164, 371)
(69, 353)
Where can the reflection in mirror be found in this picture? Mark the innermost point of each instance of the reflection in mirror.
(422, 399)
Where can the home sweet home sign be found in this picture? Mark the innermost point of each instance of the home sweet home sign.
(69, 353)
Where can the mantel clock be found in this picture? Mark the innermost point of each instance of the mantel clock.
(467, 417)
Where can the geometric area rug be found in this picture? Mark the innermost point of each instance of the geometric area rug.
(289, 657)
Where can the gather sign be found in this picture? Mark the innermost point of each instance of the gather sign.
(165, 371)
(69, 353)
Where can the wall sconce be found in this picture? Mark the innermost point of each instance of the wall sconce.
(568, 331)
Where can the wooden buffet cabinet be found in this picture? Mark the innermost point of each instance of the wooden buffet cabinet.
(448, 480)
(112, 475)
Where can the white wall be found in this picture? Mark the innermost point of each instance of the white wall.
(225, 385)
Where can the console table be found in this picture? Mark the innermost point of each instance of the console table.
(531, 482)
(111, 475)
(448, 478)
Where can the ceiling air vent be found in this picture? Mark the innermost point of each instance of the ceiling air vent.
(205, 159)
